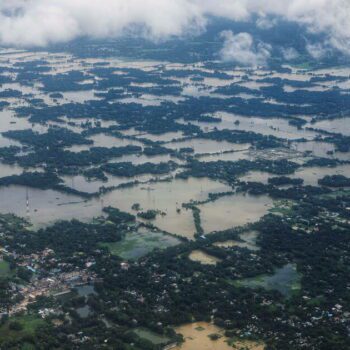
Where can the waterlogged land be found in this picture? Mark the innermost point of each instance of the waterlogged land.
(139, 243)
(203, 258)
(246, 240)
(286, 280)
(198, 336)
(152, 194)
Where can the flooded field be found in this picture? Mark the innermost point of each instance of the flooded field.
(7, 170)
(103, 140)
(248, 240)
(256, 176)
(311, 175)
(139, 243)
(339, 126)
(201, 146)
(166, 137)
(232, 211)
(47, 206)
(316, 149)
(286, 280)
(141, 159)
(80, 183)
(203, 258)
(197, 336)
(226, 157)
(266, 126)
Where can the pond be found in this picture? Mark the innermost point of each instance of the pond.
(83, 311)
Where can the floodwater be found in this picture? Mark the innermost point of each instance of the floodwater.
(316, 149)
(233, 210)
(338, 126)
(137, 159)
(167, 197)
(102, 140)
(151, 100)
(311, 175)
(8, 121)
(266, 126)
(226, 157)
(47, 206)
(8, 170)
(202, 146)
(256, 176)
(166, 137)
(80, 96)
(80, 183)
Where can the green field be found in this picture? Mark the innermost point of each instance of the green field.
(154, 338)
(4, 269)
(29, 324)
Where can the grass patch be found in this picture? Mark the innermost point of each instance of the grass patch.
(29, 324)
(5, 269)
(154, 338)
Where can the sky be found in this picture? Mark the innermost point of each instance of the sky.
(28, 23)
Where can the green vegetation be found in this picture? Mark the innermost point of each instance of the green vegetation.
(335, 181)
(5, 270)
(20, 328)
(148, 215)
(154, 338)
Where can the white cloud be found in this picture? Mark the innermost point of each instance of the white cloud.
(242, 49)
(317, 50)
(39, 22)
(289, 53)
(266, 23)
